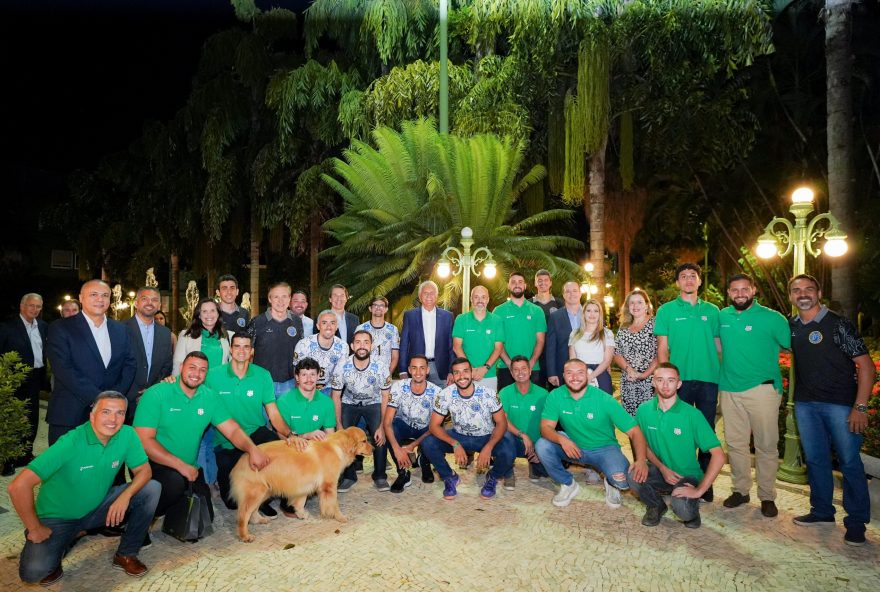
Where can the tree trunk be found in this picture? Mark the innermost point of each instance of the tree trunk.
(210, 272)
(255, 269)
(314, 249)
(597, 217)
(838, 64)
(174, 313)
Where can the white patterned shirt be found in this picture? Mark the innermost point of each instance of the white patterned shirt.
(471, 416)
(413, 409)
(385, 340)
(326, 358)
(361, 387)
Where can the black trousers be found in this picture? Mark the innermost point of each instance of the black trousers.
(226, 458)
(29, 392)
(174, 487)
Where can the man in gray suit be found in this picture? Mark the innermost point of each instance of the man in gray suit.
(151, 345)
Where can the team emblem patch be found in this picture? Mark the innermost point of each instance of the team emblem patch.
(528, 317)
(291, 331)
(748, 327)
(815, 337)
(677, 431)
(314, 418)
(704, 317)
(250, 393)
(488, 331)
(589, 416)
(532, 408)
(201, 411)
(115, 464)
(240, 322)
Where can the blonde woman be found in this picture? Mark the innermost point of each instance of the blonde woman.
(636, 350)
(594, 344)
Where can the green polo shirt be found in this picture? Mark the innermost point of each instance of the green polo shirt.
(691, 332)
(524, 410)
(521, 327)
(179, 420)
(589, 421)
(675, 435)
(244, 397)
(478, 338)
(751, 341)
(212, 349)
(305, 416)
(78, 470)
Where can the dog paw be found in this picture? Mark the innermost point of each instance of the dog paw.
(247, 539)
(341, 518)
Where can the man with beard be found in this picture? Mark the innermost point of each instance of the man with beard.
(588, 416)
(674, 431)
(478, 335)
(687, 336)
(170, 420)
(360, 390)
(386, 338)
(406, 419)
(324, 347)
(751, 391)
(834, 375)
(151, 345)
(478, 426)
(299, 302)
(524, 329)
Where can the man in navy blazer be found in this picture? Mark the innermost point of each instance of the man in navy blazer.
(26, 335)
(143, 331)
(425, 321)
(560, 324)
(89, 354)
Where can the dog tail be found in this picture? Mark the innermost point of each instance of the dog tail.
(239, 476)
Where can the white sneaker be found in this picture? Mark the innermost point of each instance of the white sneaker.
(612, 495)
(592, 477)
(566, 494)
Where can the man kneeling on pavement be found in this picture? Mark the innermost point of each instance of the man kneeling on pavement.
(76, 493)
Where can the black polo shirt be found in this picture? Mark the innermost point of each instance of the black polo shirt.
(275, 342)
(236, 321)
(823, 352)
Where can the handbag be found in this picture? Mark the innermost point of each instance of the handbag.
(189, 519)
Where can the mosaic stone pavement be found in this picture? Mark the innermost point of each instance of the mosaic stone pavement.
(517, 541)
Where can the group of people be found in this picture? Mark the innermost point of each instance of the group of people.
(528, 380)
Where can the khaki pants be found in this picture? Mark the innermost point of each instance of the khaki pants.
(752, 412)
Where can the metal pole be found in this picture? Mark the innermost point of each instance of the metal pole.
(444, 74)
(467, 266)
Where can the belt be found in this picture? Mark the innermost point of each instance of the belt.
(771, 381)
(431, 359)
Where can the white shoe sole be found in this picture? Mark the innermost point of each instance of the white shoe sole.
(561, 503)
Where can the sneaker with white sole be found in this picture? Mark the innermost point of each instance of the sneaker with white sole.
(566, 494)
(592, 477)
(510, 482)
(612, 495)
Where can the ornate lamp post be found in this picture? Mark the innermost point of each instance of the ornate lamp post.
(466, 263)
(588, 287)
(781, 237)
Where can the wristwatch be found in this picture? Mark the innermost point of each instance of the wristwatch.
(861, 408)
(487, 366)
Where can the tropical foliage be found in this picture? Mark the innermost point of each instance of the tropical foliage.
(14, 424)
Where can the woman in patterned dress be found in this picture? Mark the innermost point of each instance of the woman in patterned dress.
(636, 350)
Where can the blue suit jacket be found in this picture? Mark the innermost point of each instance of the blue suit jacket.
(412, 340)
(162, 360)
(14, 337)
(558, 331)
(79, 370)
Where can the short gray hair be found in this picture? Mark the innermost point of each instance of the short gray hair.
(29, 296)
(324, 312)
(427, 283)
(109, 395)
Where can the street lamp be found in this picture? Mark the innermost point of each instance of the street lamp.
(781, 237)
(588, 287)
(466, 263)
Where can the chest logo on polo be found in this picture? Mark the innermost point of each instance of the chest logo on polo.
(528, 317)
(488, 331)
(314, 418)
(567, 413)
(704, 317)
(224, 392)
(589, 416)
(677, 431)
(240, 322)
(815, 337)
(748, 327)
(85, 468)
(200, 411)
(250, 393)
(114, 464)
(532, 408)
(291, 331)
(172, 409)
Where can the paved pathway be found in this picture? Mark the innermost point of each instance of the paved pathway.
(518, 541)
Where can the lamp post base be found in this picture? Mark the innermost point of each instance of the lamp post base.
(792, 469)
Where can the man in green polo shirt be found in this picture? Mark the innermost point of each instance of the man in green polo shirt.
(525, 327)
(309, 412)
(523, 403)
(170, 420)
(687, 336)
(674, 431)
(478, 335)
(246, 390)
(751, 391)
(588, 416)
(75, 476)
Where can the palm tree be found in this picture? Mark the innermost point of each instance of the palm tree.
(409, 198)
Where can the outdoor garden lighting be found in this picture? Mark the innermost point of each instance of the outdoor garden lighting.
(781, 237)
(588, 267)
(466, 263)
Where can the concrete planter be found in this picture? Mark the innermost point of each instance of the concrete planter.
(872, 468)
(872, 465)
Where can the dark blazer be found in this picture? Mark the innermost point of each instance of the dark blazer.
(351, 324)
(558, 332)
(412, 340)
(79, 370)
(14, 337)
(162, 356)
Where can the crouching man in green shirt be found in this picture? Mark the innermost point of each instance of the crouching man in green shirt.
(76, 476)
(674, 431)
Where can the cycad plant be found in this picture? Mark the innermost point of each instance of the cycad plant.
(408, 198)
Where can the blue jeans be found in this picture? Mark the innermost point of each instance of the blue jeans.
(207, 459)
(519, 451)
(703, 396)
(371, 415)
(655, 486)
(824, 426)
(436, 450)
(39, 559)
(403, 432)
(608, 459)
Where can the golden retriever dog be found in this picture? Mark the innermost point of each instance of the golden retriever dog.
(295, 475)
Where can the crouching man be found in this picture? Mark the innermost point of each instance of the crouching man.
(76, 476)
(674, 431)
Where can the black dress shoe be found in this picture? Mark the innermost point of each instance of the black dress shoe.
(53, 577)
(8, 469)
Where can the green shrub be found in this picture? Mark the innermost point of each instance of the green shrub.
(14, 425)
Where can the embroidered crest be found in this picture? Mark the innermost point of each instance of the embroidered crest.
(201, 411)
(704, 317)
(240, 322)
(250, 393)
(815, 337)
(677, 431)
(532, 408)
(748, 327)
(291, 331)
(115, 464)
(589, 416)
